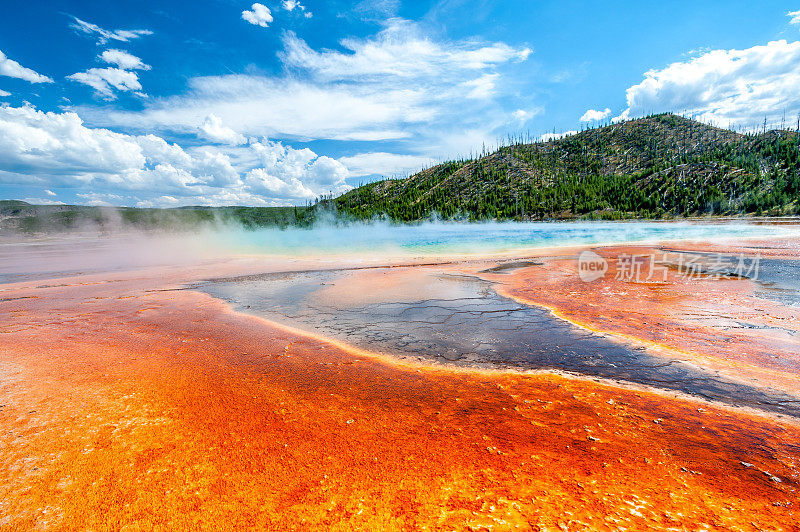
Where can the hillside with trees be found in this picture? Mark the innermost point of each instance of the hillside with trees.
(654, 167)
(662, 166)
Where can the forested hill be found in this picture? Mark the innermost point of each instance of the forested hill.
(655, 167)
(659, 166)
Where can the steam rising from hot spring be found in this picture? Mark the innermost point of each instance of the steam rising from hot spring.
(84, 252)
(452, 238)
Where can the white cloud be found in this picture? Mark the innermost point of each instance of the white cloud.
(42, 201)
(49, 192)
(58, 143)
(159, 202)
(11, 68)
(100, 199)
(729, 87)
(482, 87)
(121, 78)
(262, 181)
(377, 9)
(262, 106)
(4, 93)
(555, 136)
(213, 130)
(399, 84)
(794, 17)
(318, 174)
(427, 96)
(594, 116)
(58, 150)
(522, 115)
(399, 50)
(105, 80)
(384, 164)
(103, 35)
(291, 5)
(625, 115)
(123, 60)
(259, 16)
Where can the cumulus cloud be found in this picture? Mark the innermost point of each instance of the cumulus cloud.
(4, 93)
(213, 130)
(38, 144)
(105, 80)
(11, 68)
(319, 174)
(260, 15)
(103, 35)
(120, 78)
(592, 115)
(736, 87)
(794, 17)
(123, 60)
(59, 150)
(263, 181)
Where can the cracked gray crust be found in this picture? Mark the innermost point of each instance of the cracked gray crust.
(464, 322)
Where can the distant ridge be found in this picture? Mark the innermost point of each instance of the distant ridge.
(21, 217)
(659, 166)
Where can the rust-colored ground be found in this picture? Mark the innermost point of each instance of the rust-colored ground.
(719, 322)
(128, 407)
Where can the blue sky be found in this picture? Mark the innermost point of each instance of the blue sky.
(229, 102)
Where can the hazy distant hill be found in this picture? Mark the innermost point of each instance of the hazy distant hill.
(663, 165)
(18, 216)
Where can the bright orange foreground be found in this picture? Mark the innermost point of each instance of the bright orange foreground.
(717, 322)
(124, 407)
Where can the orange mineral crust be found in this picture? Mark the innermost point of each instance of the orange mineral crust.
(719, 321)
(126, 406)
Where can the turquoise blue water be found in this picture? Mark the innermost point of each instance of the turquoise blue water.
(439, 238)
(81, 254)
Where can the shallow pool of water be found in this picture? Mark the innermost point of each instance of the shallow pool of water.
(459, 238)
